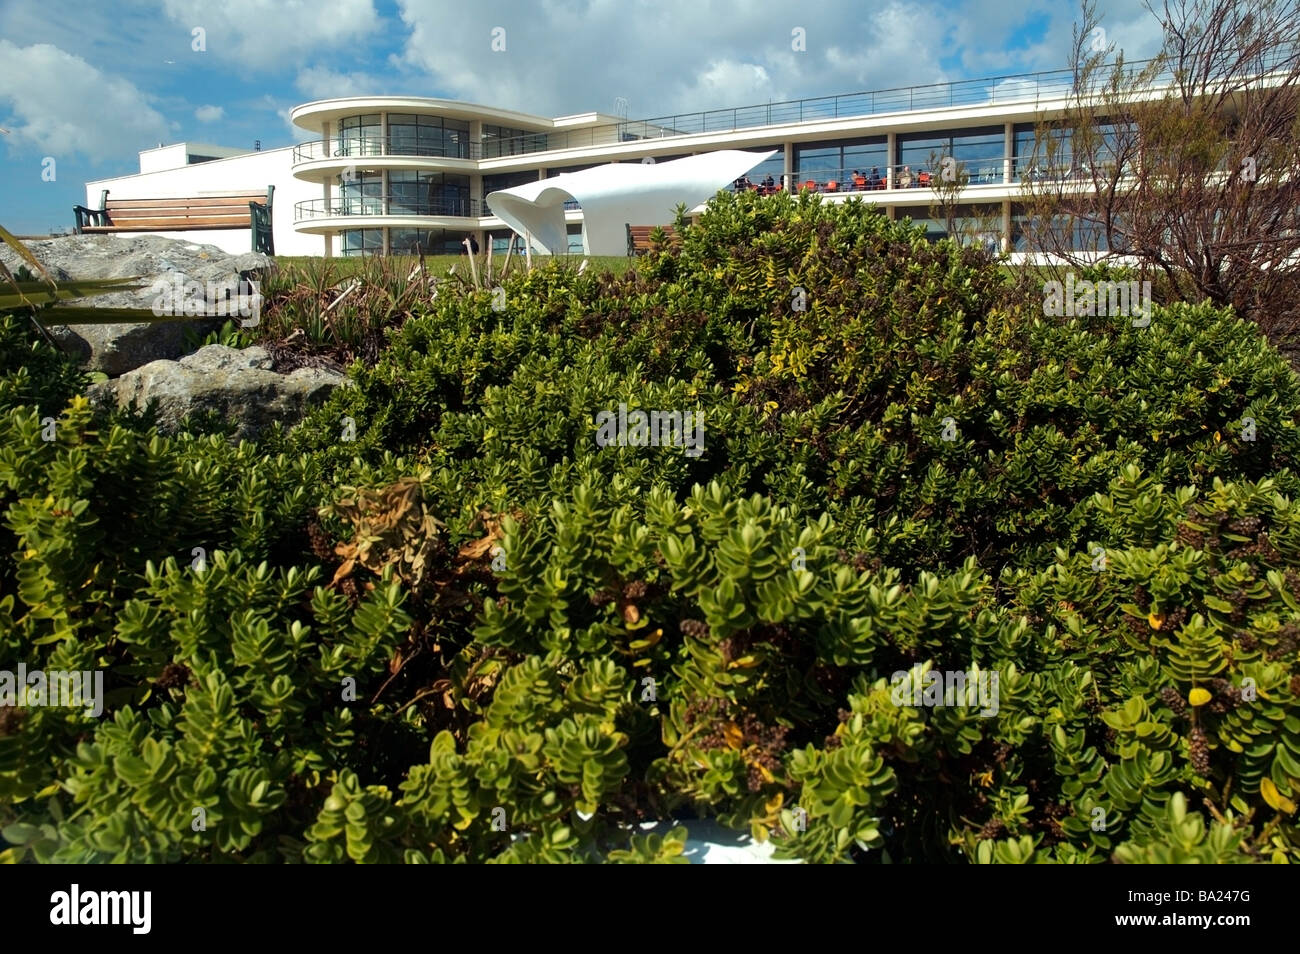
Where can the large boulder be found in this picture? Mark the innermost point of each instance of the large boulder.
(238, 385)
(116, 349)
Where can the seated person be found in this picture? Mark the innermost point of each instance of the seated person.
(905, 178)
(875, 177)
(768, 183)
(859, 181)
(923, 178)
(833, 186)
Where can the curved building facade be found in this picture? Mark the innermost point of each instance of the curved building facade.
(390, 174)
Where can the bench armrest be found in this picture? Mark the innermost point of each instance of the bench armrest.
(85, 216)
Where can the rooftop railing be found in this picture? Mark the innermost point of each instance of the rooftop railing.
(1026, 88)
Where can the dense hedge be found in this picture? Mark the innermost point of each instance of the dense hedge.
(473, 623)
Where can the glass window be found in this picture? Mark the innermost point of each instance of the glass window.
(774, 167)
(410, 134)
(362, 193)
(428, 193)
(504, 141)
(1030, 233)
(972, 224)
(360, 136)
(978, 152)
(428, 241)
(363, 241)
(825, 162)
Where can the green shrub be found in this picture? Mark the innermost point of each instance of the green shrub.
(439, 623)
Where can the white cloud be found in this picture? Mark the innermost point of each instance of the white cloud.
(321, 82)
(267, 34)
(669, 56)
(209, 114)
(62, 105)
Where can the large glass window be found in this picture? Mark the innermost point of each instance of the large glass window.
(504, 141)
(1050, 153)
(363, 241)
(360, 136)
(362, 193)
(978, 153)
(428, 193)
(1033, 234)
(414, 135)
(972, 224)
(429, 241)
(774, 167)
(823, 162)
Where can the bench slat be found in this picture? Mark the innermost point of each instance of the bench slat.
(639, 237)
(231, 203)
(170, 225)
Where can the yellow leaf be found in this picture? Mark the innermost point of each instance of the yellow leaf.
(1275, 798)
(1217, 437)
(1156, 620)
(731, 732)
(1198, 697)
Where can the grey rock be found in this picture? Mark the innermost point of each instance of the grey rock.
(237, 384)
(117, 348)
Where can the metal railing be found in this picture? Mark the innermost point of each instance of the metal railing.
(371, 146)
(384, 205)
(1027, 88)
(962, 172)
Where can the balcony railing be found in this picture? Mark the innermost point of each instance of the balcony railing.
(368, 147)
(384, 205)
(964, 172)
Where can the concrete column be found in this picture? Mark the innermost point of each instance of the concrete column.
(475, 138)
(891, 159)
(787, 170)
(1006, 225)
(1009, 145)
(327, 184)
(385, 235)
(383, 134)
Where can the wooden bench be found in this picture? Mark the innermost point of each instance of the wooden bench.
(235, 210)
(638, 238)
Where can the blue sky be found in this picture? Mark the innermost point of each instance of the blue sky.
(91, 84)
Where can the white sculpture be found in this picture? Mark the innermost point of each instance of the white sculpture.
(617, 195)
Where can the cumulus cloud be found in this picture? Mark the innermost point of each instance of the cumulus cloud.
(321, 82)
(669, 56)
(63, 105)
(265, 34)
(209, 114)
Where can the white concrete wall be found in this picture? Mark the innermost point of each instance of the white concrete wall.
(252, 172)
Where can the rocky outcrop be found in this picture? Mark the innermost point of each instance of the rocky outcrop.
(118, 348)
(238, 385)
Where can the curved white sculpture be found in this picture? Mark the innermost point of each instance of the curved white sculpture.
(616, 195)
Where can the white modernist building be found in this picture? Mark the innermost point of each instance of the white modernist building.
(388, 174)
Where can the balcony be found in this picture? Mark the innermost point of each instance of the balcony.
(372, 147)
(372, 206)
